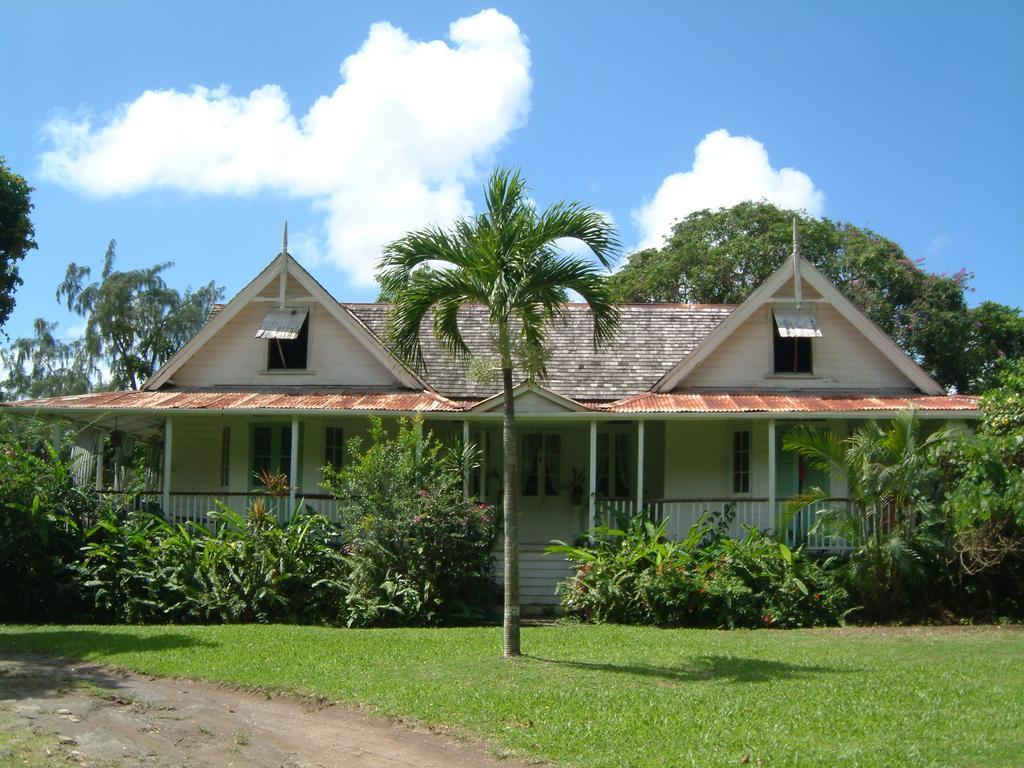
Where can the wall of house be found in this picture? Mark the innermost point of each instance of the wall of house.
(196, 454)
(843, 359)
(698, 459)
(234, 356)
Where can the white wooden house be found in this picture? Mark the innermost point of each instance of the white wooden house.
(683, 414)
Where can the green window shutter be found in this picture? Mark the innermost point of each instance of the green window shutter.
(786, 480)
(816, 478)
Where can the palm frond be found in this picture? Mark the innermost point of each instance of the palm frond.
(506, 258)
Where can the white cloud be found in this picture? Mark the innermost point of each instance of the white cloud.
(74, 331)
(726, 170)
(392, 148)
(939, 243)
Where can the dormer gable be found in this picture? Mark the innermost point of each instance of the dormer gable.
(797, 331)
(531, 398)
(284, 329)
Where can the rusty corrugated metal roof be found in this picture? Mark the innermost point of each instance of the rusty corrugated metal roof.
(240, 399)
(790, 402)
(337, 399)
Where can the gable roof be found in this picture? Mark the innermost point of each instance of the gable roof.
(652, 338)
(496, 402)
(220, 315)
(764, 293)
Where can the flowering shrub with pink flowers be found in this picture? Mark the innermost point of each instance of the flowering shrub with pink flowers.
(417, 553)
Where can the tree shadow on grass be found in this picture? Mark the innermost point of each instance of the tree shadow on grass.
(94, 644)
(46, 664)
(737, 669)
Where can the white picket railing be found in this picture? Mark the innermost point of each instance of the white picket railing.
(798, 528)
(683, 514)
(196, 507)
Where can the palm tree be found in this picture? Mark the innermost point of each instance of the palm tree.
(891, 518)
(508, 259)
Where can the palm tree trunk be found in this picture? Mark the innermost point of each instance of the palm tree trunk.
(511, 484)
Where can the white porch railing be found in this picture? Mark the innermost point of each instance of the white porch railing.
(683, 513)
(196, 507)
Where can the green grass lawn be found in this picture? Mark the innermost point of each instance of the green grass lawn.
(618, 696)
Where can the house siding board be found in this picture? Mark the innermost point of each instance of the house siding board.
(843, 358)
(195, 460)
(694, 466)
(235, 356)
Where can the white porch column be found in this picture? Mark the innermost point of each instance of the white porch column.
(771, 471)
(99, 460)
(484, 442)
(168, 447)
(639, 466)
(465, 460)
(592, 514)
(293, 468)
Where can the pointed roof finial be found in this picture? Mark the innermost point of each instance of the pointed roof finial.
(284, 243)
(797, 287)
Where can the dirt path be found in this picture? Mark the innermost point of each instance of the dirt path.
(59, 713)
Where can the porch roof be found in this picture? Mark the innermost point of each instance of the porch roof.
(245, 399)
(789, 402)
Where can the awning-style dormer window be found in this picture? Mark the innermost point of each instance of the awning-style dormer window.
(796, 323)
(283, 323)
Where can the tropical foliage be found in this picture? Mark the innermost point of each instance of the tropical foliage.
(416, 552)
(983, 497)
(892, 520)
(508, 259)
(133, 319)
(132, 323)
(409, 550)
(42, 517)
(638, 576)
(142, 569)
(17, 235)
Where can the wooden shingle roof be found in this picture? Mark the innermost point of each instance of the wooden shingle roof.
(652, 338)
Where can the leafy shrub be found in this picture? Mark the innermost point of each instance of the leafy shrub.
(42, 513)
(983, 500)
(248, 569)
(416, 551)
(899, 564)
(637, 575)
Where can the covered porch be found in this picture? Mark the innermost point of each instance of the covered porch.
(578, 470)
(575, 474)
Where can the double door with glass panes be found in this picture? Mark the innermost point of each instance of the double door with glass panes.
(271, 452)
(543, 496)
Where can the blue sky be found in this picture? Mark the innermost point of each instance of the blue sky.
(906, 119)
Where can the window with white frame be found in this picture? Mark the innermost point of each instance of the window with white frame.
(613, 465)
(334, 447)
(271, 450)
(542, 463)
(741, 461)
